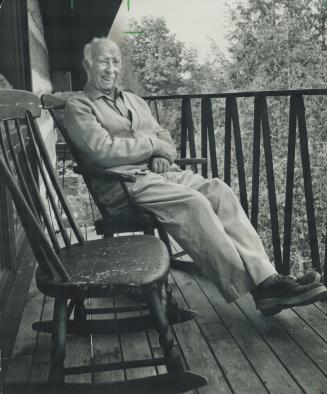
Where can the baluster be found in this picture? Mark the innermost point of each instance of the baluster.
(305, 158)
(271, 185)
(190, 131)
(156, 109)
(239, 156)
(325, 264)
(256, 163)
(204, 135)
(228, 140)
(289, 187)
(212, 142)
(183, 131)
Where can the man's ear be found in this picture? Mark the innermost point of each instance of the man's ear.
(86, 65)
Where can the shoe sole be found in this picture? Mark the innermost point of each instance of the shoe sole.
(314, 295)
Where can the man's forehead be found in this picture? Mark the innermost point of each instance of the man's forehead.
(105, 49)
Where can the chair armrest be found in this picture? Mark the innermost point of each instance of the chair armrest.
(105, 174)
(190, 161)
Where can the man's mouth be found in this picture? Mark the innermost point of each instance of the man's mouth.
(108, 78)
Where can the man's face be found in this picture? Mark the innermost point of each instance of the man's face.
(104, 68)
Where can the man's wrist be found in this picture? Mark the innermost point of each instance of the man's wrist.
(160, 150)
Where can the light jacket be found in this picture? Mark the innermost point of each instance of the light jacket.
(106, 139)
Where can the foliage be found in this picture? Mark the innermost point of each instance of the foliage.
(274, 45)
(154, 57)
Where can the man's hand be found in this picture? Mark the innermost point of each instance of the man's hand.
(159, 165)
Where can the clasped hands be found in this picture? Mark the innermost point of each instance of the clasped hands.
(159, 164)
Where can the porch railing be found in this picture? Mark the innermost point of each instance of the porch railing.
(201, 130)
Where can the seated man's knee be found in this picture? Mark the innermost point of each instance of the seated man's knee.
(196, 201)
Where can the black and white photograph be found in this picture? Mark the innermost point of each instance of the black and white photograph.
(163, 196)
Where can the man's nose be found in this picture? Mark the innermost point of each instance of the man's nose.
(110, 66)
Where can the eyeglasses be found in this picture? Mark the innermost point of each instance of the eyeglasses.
(103, 63)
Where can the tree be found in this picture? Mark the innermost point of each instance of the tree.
(154, 57)
(278, 44)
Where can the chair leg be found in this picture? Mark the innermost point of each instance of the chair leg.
(173, 360)
(165, 239)
(56, 373)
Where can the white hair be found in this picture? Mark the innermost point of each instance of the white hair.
(88, 48)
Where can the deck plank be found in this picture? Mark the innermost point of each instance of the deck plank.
(198, 355)
(267, 366)
(20, 364)
(315, 318)
(236, 368)
(299, 365)
(78, 352)
(322, 305)
(135, 345)
(41, 359)
(11, 317)
(106, 348)
(305, 335)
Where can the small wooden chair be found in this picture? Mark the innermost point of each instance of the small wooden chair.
(99, 268)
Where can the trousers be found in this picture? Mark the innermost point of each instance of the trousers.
(208, 222)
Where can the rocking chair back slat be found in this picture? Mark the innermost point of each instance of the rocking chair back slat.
(17, 166)
(31, 178)
(49, 190)
(3, 148)
(34, 128)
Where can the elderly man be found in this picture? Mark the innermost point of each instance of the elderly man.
(115, 129)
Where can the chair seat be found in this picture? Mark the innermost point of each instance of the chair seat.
(105, 266)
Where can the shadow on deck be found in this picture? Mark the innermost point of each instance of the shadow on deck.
(238, 349)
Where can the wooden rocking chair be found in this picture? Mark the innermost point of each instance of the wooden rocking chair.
(137, 220)
(99, 268)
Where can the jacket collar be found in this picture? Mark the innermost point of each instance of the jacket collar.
(95, 94)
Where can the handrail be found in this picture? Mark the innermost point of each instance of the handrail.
(243, 93)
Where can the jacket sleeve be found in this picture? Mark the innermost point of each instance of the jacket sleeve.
(96, 143)
(162, 141)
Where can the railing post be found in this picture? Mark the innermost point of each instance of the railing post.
(228, 140)
(239, 156)
(190, 129)
(289, 186)
(305, 158)
(212, 142)
(271, 185)
(256, 162)
(187, 132)
(204, 135)
(156, 109)
(183, 131)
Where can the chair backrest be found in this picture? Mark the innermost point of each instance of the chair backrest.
(55, 104)
(19, 128)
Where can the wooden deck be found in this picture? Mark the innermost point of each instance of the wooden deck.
(238, 349)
